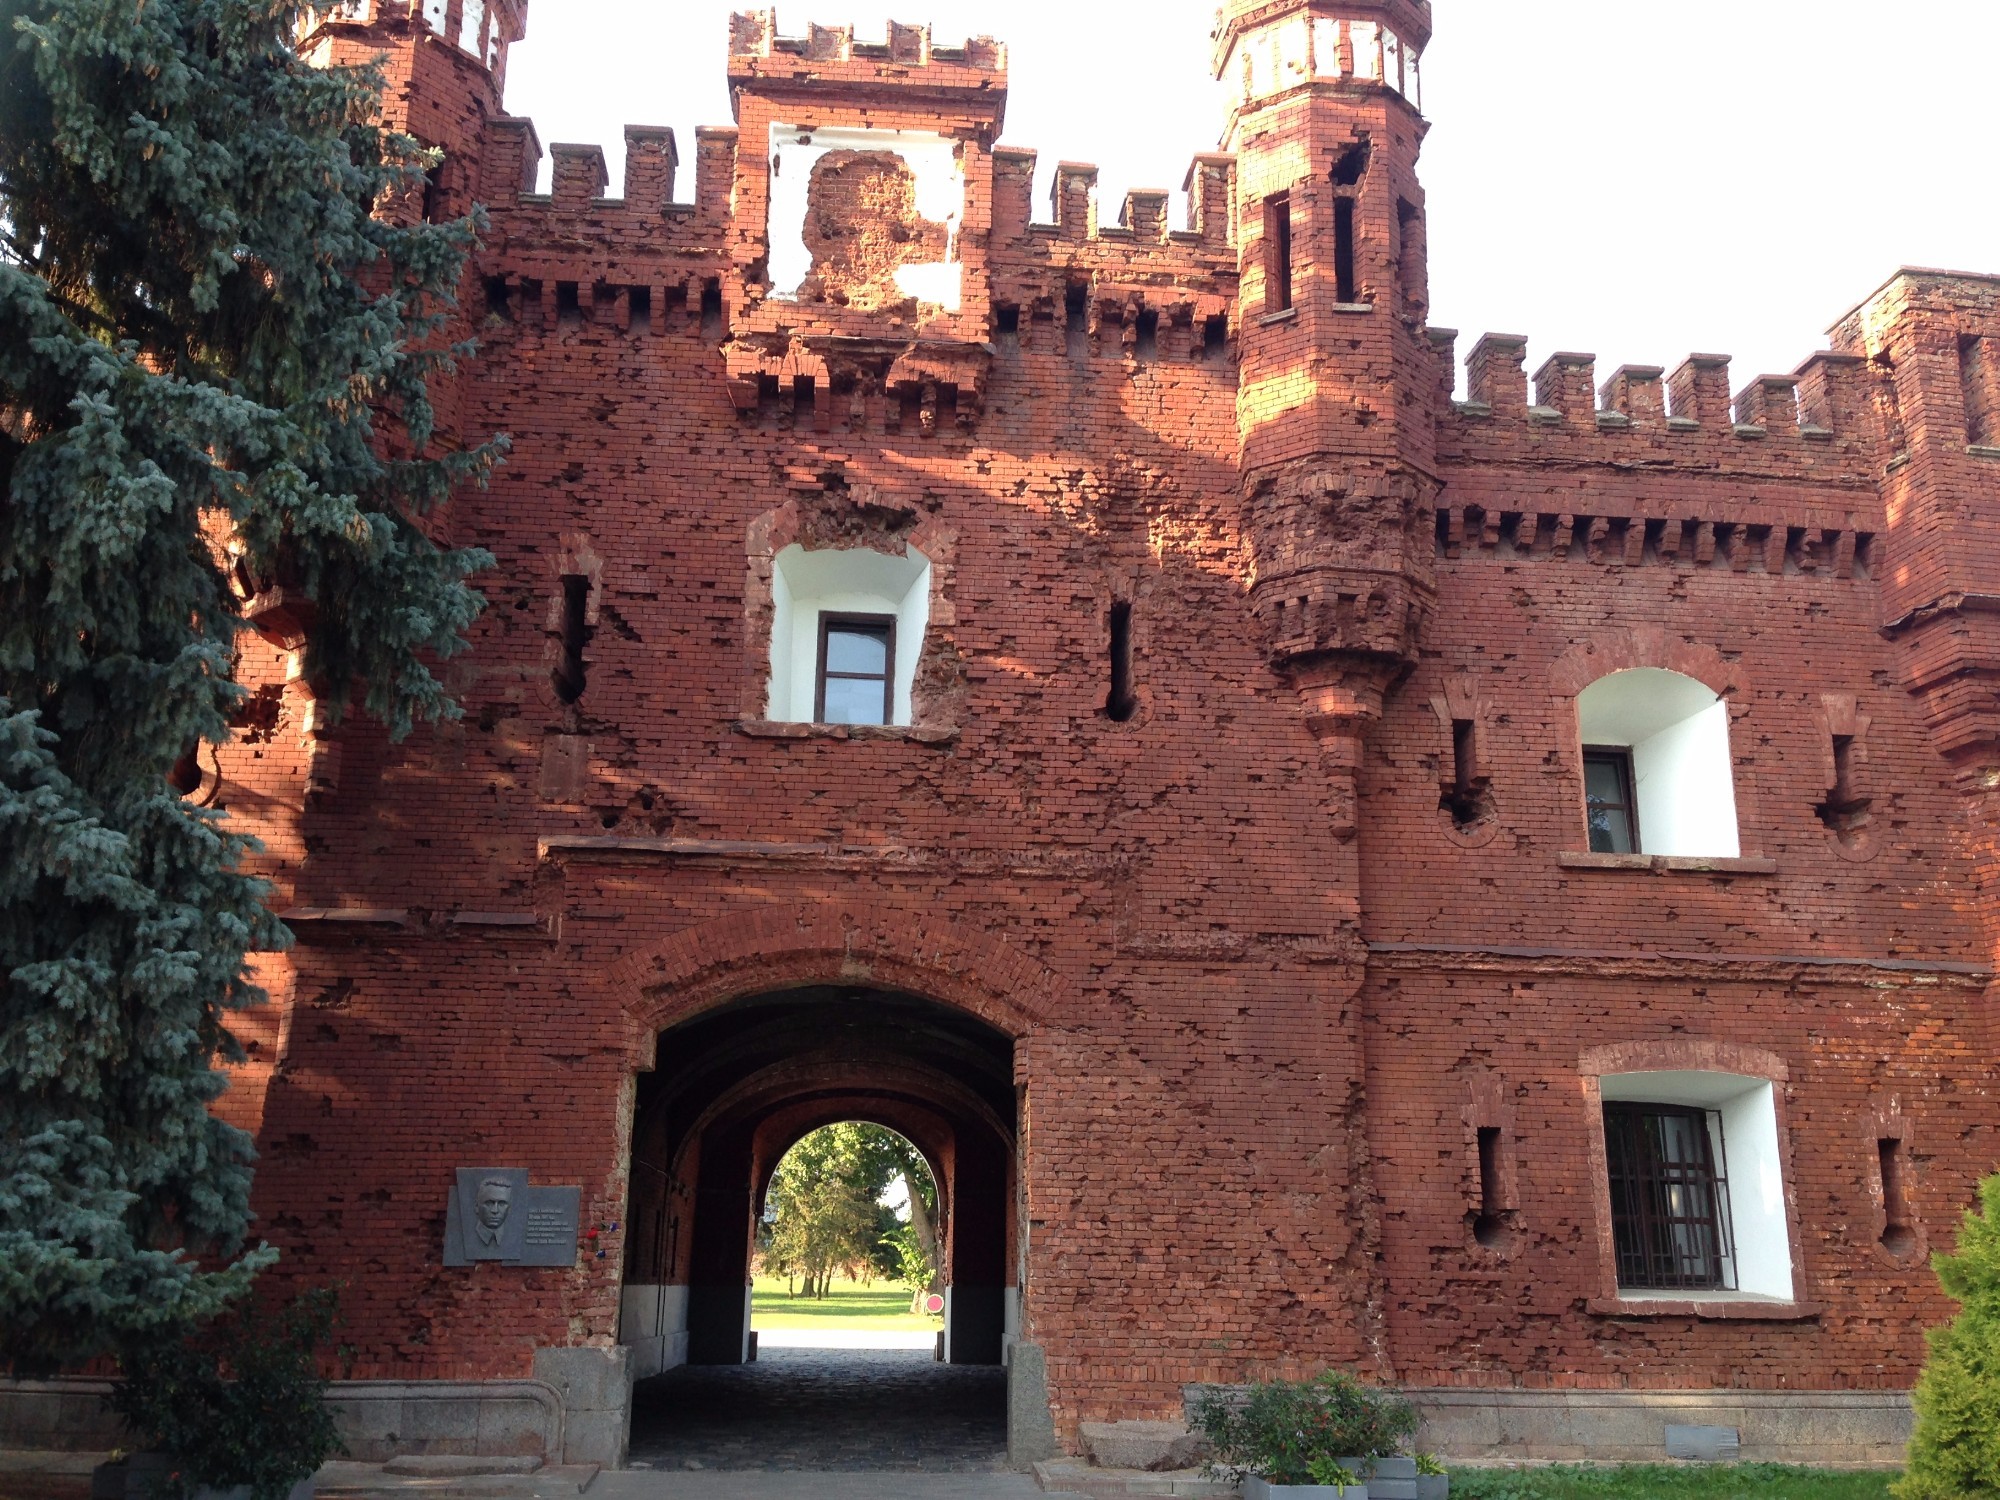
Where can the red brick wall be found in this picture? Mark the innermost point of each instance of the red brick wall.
(1248, 1141)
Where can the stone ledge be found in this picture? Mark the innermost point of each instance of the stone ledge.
(460, 1465)
(1662, 864)
(1072, 1476)
(1761, 1309)
(784, 729)
(1849, 1429)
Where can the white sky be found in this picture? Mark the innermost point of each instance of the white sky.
(1637, 178)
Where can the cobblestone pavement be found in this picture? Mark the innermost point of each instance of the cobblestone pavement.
(881, 1410)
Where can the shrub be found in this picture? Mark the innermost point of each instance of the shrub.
(1291, 1432)
(241, 1402)
(1955, 1453)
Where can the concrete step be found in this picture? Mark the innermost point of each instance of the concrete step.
(1073, 1476)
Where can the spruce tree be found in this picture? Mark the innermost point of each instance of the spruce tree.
(1955, 1453)
(216, 327)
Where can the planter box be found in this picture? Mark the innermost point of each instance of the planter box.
(1433, 1486)
(1259, 1489)
(1393, 1479)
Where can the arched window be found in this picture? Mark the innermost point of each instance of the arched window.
(847, 627)
(1656, 766)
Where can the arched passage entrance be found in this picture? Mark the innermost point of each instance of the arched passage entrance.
(735, 1087)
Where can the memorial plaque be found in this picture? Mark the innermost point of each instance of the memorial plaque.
(550, 1238)
(487, 1216)
(493, 1214)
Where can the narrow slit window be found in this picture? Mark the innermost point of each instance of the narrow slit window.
(1981, 382)
(569, 310)
(1465, 801)
(1899, 1236)
(1122, 702)
(434, 195)
(185, 775)
(1490, 1227)
(1669, 1198)
(1345, 288)
(711, 308)
(1609, 808)
(570, 673)
(857, 669)
(1409, 251)
(639, 303)
(1845, 810)
(1278, 253)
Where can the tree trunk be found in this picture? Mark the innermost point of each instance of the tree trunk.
(920, 1221)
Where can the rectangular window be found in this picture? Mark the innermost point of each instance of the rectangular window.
(1669, 1198)
(1609, 808)
(1277, 252)
(857, 669)
(1981, 383)
(1346, 285)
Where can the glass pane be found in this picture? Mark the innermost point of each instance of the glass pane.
(852, 700)
(1601, 781)
(851, 650)
(1608, 818)
(1610, 830)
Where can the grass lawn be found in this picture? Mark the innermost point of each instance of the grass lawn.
(847, 1304)
(1669, 1482)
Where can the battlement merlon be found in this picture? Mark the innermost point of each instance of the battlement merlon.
(829, 58)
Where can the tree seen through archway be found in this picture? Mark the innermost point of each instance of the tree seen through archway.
(854, 1200)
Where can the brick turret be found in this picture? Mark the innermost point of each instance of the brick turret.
(1336, 406)
(444, 63)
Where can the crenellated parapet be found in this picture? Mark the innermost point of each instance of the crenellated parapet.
(1817, 424)
(759, 55)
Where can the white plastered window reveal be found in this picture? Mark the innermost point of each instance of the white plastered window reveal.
(847, 581)
(1678, 732)
(1743, 1139)
(1276, 57)
(471, 20)
(936, 166)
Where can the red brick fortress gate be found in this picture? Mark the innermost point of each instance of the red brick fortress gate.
(1496, 893)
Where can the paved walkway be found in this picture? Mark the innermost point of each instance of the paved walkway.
(824, 1410)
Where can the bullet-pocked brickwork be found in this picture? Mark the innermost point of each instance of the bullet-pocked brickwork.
(1311, 974)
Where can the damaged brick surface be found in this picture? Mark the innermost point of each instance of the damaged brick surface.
(1264, 988)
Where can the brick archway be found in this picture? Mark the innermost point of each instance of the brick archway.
(837, 942)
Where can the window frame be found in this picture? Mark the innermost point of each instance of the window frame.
(1601, 1067)
(1710, 1175)
(832, 620)
(1619, 756)
(1278, 254)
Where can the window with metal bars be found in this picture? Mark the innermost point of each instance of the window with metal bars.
(1669, 1198)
